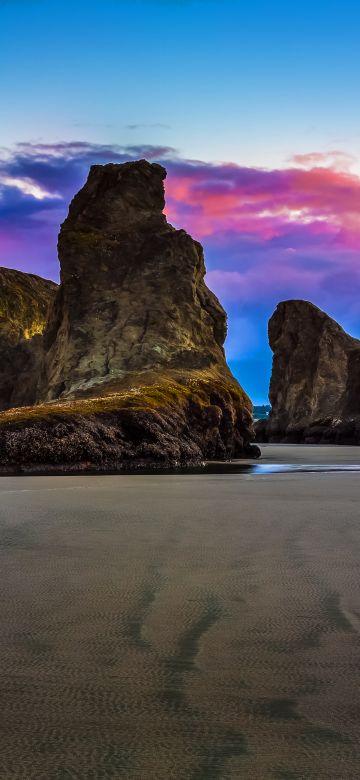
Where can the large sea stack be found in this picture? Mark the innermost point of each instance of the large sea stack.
(315, 382)
(25, 300)
(133, 370)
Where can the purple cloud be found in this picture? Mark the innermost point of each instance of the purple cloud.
(268, 234)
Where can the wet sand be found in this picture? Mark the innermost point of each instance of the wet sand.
(327, 454)
(187, 627)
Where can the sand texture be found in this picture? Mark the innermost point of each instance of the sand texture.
(180, 627)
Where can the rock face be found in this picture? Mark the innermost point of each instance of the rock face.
(24, 308)
(315, 382)
(132, 297)
(133, 369)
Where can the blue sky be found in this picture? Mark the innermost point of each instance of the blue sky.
(250, 83)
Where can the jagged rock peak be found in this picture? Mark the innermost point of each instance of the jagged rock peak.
(116, 196)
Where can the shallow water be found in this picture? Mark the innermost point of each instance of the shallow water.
(317, 468)
(177, 626)
(236, 467)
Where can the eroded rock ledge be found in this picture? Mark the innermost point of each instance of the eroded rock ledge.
(133, 370)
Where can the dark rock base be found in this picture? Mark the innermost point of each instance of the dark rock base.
(320, 432)
(92, 436)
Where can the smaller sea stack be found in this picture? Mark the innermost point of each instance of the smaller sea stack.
(315, 381)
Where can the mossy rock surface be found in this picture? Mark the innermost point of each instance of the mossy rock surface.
(24, 303)
(168, 424)
(25, 300)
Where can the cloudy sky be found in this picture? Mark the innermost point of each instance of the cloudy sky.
(251, 106)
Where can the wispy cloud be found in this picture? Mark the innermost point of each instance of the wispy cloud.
(141, 126)
(335, 159)
(28, 187)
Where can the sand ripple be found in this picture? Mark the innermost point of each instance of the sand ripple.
(180, 627)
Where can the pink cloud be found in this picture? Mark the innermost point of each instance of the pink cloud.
(265, 202)
(273, 234)
(335, 158)
(268, 233)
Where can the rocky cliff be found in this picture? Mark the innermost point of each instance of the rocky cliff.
(133, 368)
(315, 382)
(25, 301)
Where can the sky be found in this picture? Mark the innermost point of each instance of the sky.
(251, 106)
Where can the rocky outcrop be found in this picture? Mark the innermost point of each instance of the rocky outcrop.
(133, 368)
(132, 297)
(24, 309)
(315, 382)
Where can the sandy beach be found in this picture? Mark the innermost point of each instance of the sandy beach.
(182, 627)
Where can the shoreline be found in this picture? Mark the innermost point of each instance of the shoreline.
(291, 455)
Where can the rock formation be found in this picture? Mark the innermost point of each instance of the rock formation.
(132, 295)
(315, 382)
(133, 368)
(24, 308)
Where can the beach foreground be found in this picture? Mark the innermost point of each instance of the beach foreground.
(188, 627)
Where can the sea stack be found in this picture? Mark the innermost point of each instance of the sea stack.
(315, 382)
(132, 297)
(133, 369)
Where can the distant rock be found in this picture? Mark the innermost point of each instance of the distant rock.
(315, 382)
(261, 412)
(133, 369)
(24, 308)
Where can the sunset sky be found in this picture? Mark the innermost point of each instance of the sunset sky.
(253, 108)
